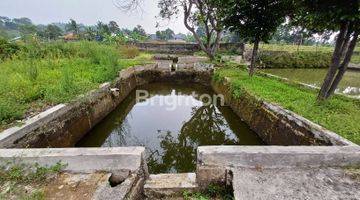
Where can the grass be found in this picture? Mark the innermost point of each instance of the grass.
(293, 48)
(302, 48)
(301, 59)
(41, 75)
(16, 180)
(338, 114)
(212, 192)
(353, 172)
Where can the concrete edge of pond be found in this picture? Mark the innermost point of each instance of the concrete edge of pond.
(65, 125)
(274, 124)
(14, 133)
(185, 48)
(79, 160)
(215, 162)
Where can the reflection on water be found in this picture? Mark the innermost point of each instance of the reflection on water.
(350, 84)
(170, 136)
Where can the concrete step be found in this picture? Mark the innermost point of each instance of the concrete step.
(163, 186)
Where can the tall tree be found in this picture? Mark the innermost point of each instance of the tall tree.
(197, 13)
(103, 29)
(333, 15)
(89, 33)
(53, 32)
(139, 30)
(255, 20)
(27, 29)
(167, 34)
(73, 27)
(114, 27)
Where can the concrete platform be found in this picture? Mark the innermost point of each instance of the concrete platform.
(284, 184)
(353, 66)
(169, 186)
(281, 173)
(79, 160)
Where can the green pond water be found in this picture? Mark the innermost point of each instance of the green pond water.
(349, 85)
(172, 131)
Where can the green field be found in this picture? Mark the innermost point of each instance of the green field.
(339, 114)
(44, 74)
(303, 48)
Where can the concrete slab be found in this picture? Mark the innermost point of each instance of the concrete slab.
(284, 184)
(75, 186)
(80, 160)
(169, 185)
(278, 156)
(214, 162)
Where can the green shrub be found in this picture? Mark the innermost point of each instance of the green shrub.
(129, 51)
(301, 59)
(7, 49)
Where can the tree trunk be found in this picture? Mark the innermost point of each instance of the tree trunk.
(253, 57)
(335, 62)
(344, 64)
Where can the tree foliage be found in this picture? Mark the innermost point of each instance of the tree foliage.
(167, 34)
(53, 32)
(197, 13)
(114, 27)
(139, 30)
(102, 29)
(332, 15)
(73, 27)
(255, 20)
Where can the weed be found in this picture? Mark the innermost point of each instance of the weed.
(214, 191)
(57, 72)
(15, 178)
(129, 51)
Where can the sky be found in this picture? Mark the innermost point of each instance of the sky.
(88, 12)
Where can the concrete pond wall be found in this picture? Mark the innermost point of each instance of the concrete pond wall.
(186, 48)
(64, 125)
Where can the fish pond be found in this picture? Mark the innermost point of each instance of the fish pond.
(171, 122)
(349, 85)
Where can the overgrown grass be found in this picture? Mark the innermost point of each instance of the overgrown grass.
(339, 114)
(45, 74)
(315, 50)
(293, 48)
(212, 192)
(302, 59)
(15, 180)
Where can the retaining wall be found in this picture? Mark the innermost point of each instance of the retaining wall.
(275, 125)
(65, 125)
(186, 48)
